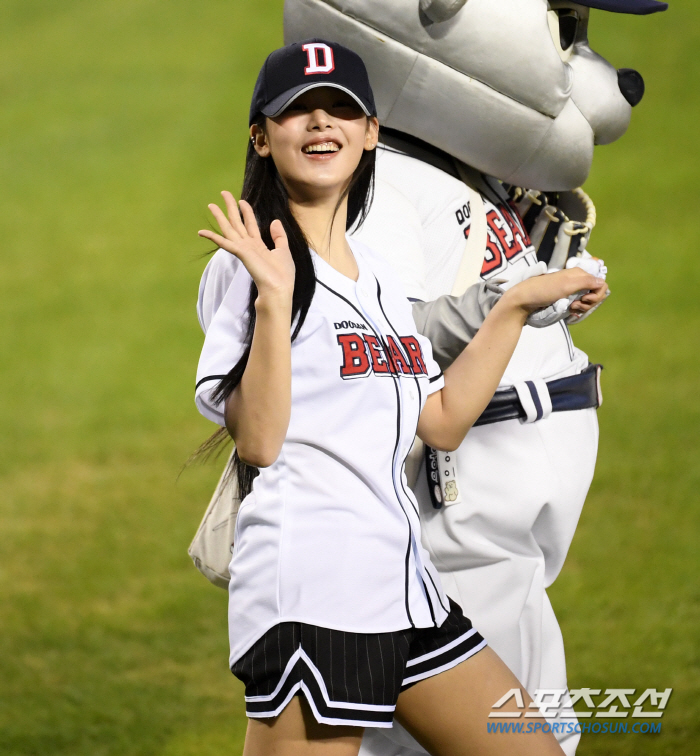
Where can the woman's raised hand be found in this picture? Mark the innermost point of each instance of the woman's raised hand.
(271, 269)
(541, 291)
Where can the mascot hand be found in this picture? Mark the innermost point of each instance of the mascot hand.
(561, 309)
(549, 315)
(520, 276)
(595, 267)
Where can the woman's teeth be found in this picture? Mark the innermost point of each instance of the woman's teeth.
(322, 147)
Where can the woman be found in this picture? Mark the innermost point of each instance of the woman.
(337, 618)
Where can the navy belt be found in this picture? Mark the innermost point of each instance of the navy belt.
(527, 401)
(575, 392)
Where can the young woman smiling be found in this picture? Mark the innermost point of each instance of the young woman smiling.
(337, 619)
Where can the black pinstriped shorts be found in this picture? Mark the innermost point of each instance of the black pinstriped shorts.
(349, 678)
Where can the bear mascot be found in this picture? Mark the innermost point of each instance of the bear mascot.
(489, 111)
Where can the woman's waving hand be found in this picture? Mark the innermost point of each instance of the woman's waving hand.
(271, 269)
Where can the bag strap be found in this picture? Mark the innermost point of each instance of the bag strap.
(469, 271)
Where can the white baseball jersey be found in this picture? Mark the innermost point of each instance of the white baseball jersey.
(420, 219)
(330, 534)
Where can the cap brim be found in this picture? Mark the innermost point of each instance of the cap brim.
(277, 106)
(636, 7)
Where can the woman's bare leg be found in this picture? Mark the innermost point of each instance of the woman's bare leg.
(295, 732)
(448, 713)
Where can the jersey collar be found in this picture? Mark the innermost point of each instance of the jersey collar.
(336, 280)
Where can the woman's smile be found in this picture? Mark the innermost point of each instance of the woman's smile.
(322, 150)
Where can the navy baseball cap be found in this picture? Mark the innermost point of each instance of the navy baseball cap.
(294, 69)
(638, 7)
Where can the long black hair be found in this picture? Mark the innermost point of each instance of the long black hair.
(264, 190)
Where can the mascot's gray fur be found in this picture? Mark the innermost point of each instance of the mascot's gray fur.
(492, 93)
(487, 81)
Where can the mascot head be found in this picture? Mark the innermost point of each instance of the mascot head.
(510, 87)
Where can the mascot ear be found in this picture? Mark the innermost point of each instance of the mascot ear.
(441, 10)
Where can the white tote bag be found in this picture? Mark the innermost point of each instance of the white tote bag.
(213, 543)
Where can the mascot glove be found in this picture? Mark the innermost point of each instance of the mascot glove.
(591, 265)
(549, 315)
(595, 267)
(520, 276)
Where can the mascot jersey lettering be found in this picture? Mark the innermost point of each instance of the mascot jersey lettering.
(506, 237)
(420, 219)
(330, 534)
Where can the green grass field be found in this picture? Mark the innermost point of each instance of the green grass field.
(121, 119)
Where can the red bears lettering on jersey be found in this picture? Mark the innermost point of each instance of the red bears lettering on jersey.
(398, 360)
(502, 230)
(493, 259)
(522, 240)
(415, 354)
(506, 239)
(365, 353)
(380, 364)
(355, 361)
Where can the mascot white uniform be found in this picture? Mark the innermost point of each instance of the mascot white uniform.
(477, 97)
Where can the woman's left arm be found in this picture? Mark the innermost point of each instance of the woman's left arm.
(472, 379)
